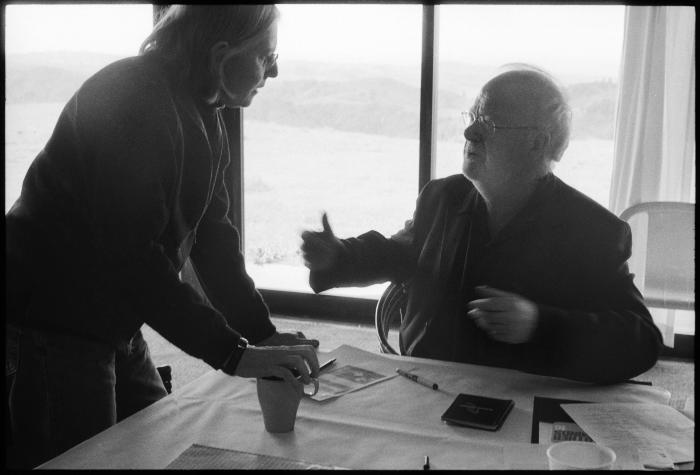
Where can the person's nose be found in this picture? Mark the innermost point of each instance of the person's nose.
(472, 133)
(272, 71)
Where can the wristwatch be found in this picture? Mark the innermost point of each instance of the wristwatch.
(231, 362)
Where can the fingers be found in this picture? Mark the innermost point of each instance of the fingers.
(308, 236)
(289, 378)
(493, 304)
(486, 291)
(302, 340)
(326, 225)
(290, 339)
(495, 325)
(314, 245)
(297, 366)
(490, 319)
(309, 354)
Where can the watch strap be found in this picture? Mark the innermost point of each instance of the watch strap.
(230, 364)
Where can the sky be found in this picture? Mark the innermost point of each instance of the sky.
(555, 36)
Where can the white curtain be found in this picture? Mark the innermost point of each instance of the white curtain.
(655, 126)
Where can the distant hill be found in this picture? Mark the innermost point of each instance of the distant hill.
(369, 98)
(49, 77)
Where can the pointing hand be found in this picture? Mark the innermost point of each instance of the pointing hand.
(320, 249)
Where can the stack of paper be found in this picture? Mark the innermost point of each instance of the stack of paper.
(661, 434)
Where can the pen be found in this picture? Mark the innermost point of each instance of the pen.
(417, 379)
(426, 464)
(320, 368)
(326, 364)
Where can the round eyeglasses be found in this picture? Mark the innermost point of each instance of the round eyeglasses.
(487, 125)
(270, 60)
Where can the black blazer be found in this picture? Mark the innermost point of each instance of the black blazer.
(563, 251)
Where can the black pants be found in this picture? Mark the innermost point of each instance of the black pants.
(67, 389)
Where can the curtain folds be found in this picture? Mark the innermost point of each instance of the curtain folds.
(654, 158)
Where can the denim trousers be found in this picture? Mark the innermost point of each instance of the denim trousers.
(68, 388)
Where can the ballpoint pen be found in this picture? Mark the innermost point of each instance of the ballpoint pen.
(326, 364)
(417, 379)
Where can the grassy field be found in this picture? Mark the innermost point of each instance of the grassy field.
(293, 174)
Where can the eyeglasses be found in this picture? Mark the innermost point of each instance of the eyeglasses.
(270, 60)
(487, 124)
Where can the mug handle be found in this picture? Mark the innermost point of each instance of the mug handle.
(315, 383)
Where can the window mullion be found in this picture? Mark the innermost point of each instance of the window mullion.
(428, 96)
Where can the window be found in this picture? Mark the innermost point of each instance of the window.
(336, 131)
(581, 45)
(44, 70)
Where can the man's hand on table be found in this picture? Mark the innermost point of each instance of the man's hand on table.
(504, 316)
(279, 361)
(288, 339)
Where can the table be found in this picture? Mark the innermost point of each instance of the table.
(389, 425)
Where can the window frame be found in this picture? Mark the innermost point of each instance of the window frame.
(353, 310)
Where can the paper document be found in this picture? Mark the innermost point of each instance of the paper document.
(203, 457)
(344, 379)
(655, 427)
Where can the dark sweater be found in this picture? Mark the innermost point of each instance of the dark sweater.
(128, 187)
(562, 251)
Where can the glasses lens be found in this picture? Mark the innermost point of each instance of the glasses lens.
(271, 60)
(468, 118)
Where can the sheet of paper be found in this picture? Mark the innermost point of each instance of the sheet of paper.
(203, 457)
(344, 379)
(646, 426)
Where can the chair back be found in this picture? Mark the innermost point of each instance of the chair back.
(390, 311)
(663, 253)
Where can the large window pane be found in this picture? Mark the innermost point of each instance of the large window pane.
(580, 44)
(49, 51)
(336, 131)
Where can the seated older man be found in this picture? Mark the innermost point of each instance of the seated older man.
(507, 265)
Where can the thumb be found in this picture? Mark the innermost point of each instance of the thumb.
(326, 225)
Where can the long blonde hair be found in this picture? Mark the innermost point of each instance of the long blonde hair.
(184, 35)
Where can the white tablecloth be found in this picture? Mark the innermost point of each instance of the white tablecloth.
(390, 425)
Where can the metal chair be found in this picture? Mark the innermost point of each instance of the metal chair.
(390, 310)
(663, 253)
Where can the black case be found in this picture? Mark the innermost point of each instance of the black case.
(479, 412)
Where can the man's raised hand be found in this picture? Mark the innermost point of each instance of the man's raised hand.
(320, 249)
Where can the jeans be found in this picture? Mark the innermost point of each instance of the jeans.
(67, 388)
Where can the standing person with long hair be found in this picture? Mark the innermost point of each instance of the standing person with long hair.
(129, 186)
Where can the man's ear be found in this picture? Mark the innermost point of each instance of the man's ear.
(216, 53)
(541, 141)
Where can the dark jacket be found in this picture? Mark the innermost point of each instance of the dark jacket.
(128, 187)
(563, 251)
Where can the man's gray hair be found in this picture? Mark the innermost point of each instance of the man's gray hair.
(185, 34)
(554, 109)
